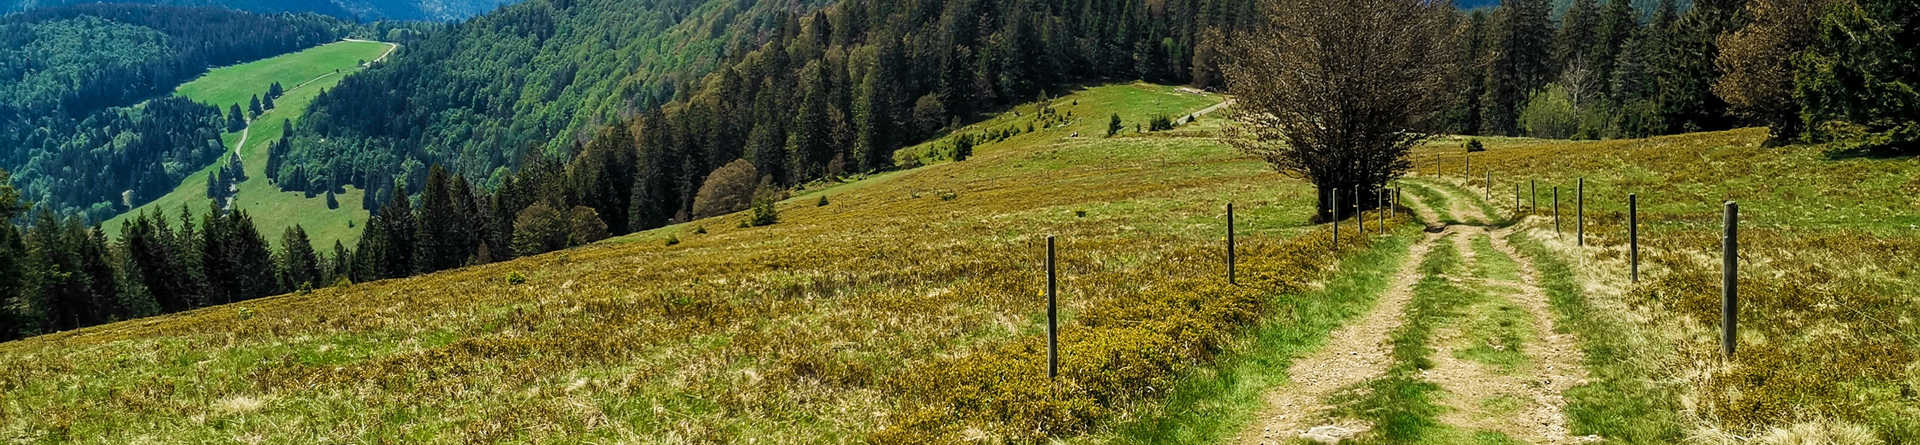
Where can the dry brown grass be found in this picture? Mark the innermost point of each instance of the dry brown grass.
(795, 333)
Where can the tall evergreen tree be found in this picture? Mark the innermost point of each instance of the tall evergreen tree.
(1579, 27)
(300, 267)
(398, 229)
(434, 243)
(1521, 61)
(1683, 73)
(13, 255)
(251, 258)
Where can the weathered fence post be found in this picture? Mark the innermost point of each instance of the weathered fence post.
(1380, 200)
(1489, 195)
(1053, 317)
(1556, 210)
(1533, 188)
(1336, 220)
(1466, 168)
(1230, 262)
(1516, 201)
(1359, 216)
(1730, 281)
(1580, 212)
(1633, 234)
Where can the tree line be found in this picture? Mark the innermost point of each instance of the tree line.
(1810, 70)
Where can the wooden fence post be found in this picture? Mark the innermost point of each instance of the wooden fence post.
(1580, 212)
(1489, 195)
(1730, 281)
(1533, 188)
(1359, 216)
(1556, 210)
(1516, 201)
(1380, 200)
(1633, 234)
(1053, 317)
(1336, 220)
(1466, 168)
(1230, 262)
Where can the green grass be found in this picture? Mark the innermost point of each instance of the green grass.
(238, 84)
(273, 211)
(1211, 404)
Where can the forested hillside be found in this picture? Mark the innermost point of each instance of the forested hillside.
(73, 127)
(803, 95)
(437, 10)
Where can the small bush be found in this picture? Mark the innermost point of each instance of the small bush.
(822, 203)
(700, 230)
(1080, 213)
(728, 189)
(515, 278)
(1113, 125)
(673, 240)
(1159, 123)
(764, 213)
(948, 195)
(1474, 146)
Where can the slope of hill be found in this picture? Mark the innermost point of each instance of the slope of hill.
(436, 10)
(304, 74)
(792, 333)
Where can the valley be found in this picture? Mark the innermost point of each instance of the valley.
(304, 74)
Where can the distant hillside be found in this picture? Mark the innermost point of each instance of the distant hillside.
(78, 130)
(436, 10)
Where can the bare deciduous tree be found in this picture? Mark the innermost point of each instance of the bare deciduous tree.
(1332, 91)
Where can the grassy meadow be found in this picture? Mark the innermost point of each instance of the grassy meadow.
(1830, 317)
(305, 74)
(858, 321)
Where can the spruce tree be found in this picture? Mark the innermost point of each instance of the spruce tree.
(13, 256)
(1860, 71)
(398, 226)
(1522, 61)
(236, 119)
(250, 253)
(300, 267)
(253, 106)
(1573, 45)
(436, 248)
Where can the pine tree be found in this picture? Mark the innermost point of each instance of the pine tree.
(1684, 71)
(13, 256)
(1860, 71)
(342, 263)
(250, 251)
(1523, 37)
(253, 106)
(236, 119)
(275, 91)
(397, 222)
(266, 102)
(436, 248)
(300, 267)
(1578, 28)
(1618, 22)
